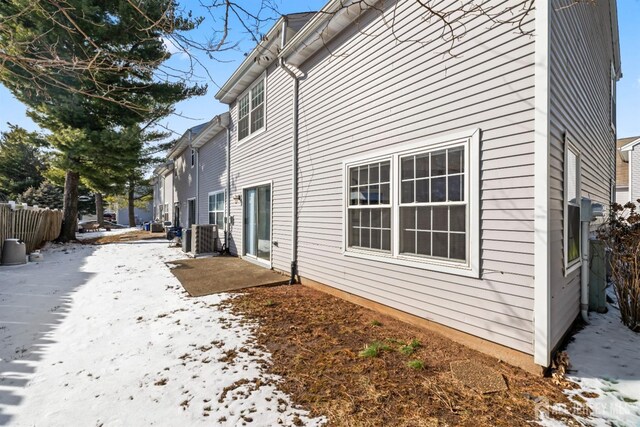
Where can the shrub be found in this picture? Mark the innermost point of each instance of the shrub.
(621, 234)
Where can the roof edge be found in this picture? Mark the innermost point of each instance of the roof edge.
(215, 125)
(249, 62)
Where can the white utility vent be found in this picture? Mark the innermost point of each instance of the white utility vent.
(204, 239)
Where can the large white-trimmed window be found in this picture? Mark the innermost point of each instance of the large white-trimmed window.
(251, 110)
(216, 208)
(370, 206)
(433, 207)
(417, 205)
(572, 202)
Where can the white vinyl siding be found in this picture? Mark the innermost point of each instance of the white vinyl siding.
(368, 92)
(212, 178)
(216, 209)
(251, 110)
(273, 164)
(184, 184)
(580, 107)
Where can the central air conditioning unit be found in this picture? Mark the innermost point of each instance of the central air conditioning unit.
(204, 239)
(186, 239)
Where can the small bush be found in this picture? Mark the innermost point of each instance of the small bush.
(376, 323)
(621, 234)
(374, 349)
(418, 365)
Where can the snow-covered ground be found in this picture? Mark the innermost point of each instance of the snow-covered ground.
(106, 336)
(605, 363)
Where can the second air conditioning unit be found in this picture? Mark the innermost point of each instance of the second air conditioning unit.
(204, 239)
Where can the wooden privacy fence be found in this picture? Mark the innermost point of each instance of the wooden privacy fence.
(32, 225)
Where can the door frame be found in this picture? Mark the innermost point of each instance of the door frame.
(251, 258)
(195, 211)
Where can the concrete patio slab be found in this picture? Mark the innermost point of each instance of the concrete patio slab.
(206, 276)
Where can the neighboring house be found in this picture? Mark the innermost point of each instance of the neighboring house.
(628, 170)
(141, 214)
(163, 192)
(443, 186)
(210, 146)
(185, 178)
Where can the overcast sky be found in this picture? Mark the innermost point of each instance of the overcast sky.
(201, 109)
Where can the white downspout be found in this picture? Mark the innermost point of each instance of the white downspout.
(584, 274)
(227, 198)
(294, 161)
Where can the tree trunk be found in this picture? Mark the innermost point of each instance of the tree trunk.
(132, 214)
(99, 209)
(70, 207)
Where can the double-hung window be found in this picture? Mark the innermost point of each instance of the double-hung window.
(433, 206)
(572, 207)
(216, 209)
(193, 157)
(251, 110)
(417, 205)
(370, 206)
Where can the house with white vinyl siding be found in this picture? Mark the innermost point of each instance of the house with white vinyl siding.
(368, 159)
(185, 179)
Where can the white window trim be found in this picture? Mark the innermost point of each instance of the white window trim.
(471, 140)
(193, 158)
(224, 206)
(262, 77)
(577, 263)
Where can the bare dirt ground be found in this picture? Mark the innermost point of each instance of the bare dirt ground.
(362, 368)
(130, 236)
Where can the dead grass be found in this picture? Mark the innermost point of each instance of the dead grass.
(317, 343)
(124, 237)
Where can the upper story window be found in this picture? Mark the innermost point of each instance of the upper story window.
(251, 111)
(417, 206)
(193, 157)
(572, 247)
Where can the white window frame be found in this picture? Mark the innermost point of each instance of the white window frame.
(247, 92)
(572, 266)
(224, 205)
(470, 139)
(193, 157)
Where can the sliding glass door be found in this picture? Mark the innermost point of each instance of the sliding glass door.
(257, 222)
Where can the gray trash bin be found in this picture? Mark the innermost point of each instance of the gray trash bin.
(14, 252)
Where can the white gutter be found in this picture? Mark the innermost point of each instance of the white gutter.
(333, 18)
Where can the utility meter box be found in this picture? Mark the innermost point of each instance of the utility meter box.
(589, 211)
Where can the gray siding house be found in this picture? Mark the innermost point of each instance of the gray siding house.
(185, 178)
(163, 192)
(366, 157)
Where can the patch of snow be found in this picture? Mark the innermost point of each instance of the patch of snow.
(106, 335)
(605, 360)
